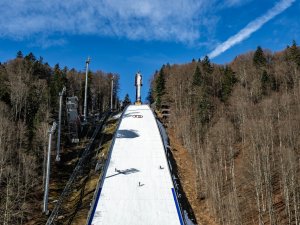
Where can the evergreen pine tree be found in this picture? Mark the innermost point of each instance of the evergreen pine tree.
(150, 96)
(294, 53)
(259, 59)
(56, 85)
(19, 55)
(197, 77)
(34, 99)
(160, 87)
(4, 87)
(206, 66)
(228, 81)
(265, 82)
(126, 101)
(30, 57)
(265, 77)
(204, 109)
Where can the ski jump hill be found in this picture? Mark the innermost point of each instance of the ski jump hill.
(137, 188)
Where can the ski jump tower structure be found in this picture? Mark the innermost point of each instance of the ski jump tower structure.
(138, 85)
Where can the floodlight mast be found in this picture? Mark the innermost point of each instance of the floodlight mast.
(46, 189)
(86, 87)
(59, 125)
(112, 93)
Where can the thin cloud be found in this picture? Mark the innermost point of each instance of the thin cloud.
(251, 27)
(229, 3)
(168, 20)
(46, 42)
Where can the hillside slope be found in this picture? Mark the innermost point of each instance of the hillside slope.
(240, 124)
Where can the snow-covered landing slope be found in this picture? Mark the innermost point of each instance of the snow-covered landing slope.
(137, 189)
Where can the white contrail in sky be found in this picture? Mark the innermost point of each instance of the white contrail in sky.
(253, 26)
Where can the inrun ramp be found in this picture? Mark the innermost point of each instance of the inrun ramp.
(137, 189)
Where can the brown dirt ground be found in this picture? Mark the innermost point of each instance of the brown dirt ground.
(186, 173)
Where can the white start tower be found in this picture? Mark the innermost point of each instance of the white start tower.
(138, 84)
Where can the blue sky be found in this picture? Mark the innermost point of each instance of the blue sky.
(124, 36)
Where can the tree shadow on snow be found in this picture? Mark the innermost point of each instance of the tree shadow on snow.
(129, 114)
(127, 134)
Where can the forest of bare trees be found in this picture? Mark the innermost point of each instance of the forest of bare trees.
(29, 90)
(241, 124)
